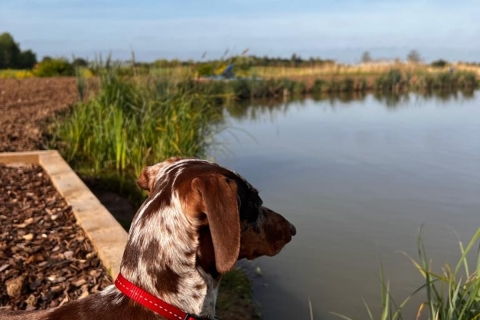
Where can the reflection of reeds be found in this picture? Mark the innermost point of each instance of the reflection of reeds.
(453, 294)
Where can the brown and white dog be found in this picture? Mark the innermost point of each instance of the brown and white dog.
(197, 221)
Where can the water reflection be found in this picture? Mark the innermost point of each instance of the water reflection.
(358, 175)
(251, 110)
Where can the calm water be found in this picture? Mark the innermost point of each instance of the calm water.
(358, 179)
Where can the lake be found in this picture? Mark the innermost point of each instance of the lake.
(358, 178)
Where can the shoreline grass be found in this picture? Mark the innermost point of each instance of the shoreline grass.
(453, 294)
(133, 122)
(282, 81)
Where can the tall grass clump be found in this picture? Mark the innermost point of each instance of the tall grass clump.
(452, 294)
(390, 81)
(248, 89)
(134, 122)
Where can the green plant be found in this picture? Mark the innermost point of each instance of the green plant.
(389, 81)
(439, 63)
(130, 124)
(453, 294)
(205, 70)
(318, 86)
(11, 57)
(54, 67)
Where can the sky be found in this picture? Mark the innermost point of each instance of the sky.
(186, 29)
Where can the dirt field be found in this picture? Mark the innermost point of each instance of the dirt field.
(26, 104)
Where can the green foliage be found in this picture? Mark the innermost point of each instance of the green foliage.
(251, 88)
(130, 124)
(348, 85)
(205, 70)
(389, 81)
(318, 86)
(11, 57)
(467, 80)
(366, 57)
(54, 67)
(453, 294)
(361, 85)
(439, 63)
(448, 80)
(9, 51)
(27, 59)
(445, 80)
(243, 65)
(235, 297)
(80, 62)
(299, 88)
(414, 57)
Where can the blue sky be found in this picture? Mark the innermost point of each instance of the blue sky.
(185, 29)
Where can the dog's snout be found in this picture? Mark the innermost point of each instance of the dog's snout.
(293, 230)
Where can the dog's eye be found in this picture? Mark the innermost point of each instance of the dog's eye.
(249, 210)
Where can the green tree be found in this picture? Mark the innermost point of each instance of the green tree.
(9, 51)
(27, 59)
(295, 60)
(366, 58)
(79, 62)
(439, 63)
(414, 57)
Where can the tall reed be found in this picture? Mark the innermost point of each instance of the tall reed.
(453, 294)
(136, 121)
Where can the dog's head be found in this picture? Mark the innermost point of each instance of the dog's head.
(224, 209)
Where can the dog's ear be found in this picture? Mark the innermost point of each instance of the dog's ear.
(220, 204)
(146, 179)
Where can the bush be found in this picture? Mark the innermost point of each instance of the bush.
(439, 63)
(347, 85)
(318, 86)
(389, 81)
(468, 80)
(80, 62)
(205, 70)
(299, 88)
(54, 67)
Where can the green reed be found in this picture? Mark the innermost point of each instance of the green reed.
(453, 294)
(132, 122)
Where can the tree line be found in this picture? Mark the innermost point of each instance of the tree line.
(11, 57)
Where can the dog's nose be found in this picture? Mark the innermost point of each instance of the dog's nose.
(293, 230)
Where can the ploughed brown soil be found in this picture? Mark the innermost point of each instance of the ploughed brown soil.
(25, 106)
(45, 258)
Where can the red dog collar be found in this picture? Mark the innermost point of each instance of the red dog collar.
(150, 301)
